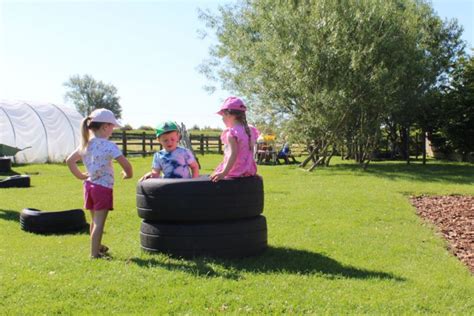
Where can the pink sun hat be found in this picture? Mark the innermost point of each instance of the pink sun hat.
(232, 103)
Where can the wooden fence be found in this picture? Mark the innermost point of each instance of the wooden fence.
(146, 144)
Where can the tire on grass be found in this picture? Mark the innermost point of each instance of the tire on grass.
(229, 239)
(19, 181)
(5, 164)
(57, 222)
(199, 199)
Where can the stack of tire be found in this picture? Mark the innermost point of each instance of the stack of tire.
(197, 217)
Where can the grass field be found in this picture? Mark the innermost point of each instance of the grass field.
(340, 241)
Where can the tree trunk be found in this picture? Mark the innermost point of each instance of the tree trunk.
(310, 157)
(416, 146)
(392, 139)
(407, 144)
(350, 151)
(324, 144)
(322, 159)
(330, 156)
(366, 164)
(423, 135)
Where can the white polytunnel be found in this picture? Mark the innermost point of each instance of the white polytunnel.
(52, 131)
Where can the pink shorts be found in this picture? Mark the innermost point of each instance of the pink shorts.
(97, 197)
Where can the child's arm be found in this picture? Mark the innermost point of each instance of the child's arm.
(155, 173)
(232, 158)
(72, 164)
(194, 169)
(127, 171)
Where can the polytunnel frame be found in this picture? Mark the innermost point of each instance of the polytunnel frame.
(44, 127)
(11, 123)
(69, 121)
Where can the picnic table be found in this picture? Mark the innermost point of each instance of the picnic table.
(268, 156)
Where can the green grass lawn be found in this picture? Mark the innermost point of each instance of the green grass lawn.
(340, 241)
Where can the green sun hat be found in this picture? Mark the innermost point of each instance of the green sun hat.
(166, 127)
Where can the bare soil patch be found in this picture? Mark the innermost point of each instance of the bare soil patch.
(454, 217)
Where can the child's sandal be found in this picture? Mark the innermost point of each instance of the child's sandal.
(103, 249)
(101, 256)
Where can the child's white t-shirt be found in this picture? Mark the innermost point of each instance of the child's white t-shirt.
(98, 161)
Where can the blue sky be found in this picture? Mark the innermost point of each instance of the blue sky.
(149, 50)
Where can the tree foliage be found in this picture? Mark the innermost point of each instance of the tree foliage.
(456, 110)
(333, 72)
(87, 94)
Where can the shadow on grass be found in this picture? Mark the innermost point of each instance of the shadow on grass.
(434, 172)
(9, 215)
(84, 230)
(273, 260)
(9, 173)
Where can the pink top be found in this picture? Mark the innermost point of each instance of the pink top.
(244, 165)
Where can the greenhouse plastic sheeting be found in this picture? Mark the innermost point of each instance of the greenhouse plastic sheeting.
(52, 131)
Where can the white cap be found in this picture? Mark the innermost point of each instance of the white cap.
(104, 116)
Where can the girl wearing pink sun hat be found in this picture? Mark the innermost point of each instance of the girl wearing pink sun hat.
(239, 139)
(232, 103)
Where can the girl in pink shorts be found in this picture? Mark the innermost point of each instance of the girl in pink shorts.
(239, 139)
(97, 153)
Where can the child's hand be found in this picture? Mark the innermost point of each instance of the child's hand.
(145, 176)
(84, 176)
(125, 175)
(217, 176)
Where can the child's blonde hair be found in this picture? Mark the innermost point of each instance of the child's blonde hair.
(86, 125)
(242, 119)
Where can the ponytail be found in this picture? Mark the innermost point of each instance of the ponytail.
(240, 116)
(247, 130)
(85, 133)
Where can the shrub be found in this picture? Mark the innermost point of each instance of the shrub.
(146, 128)
(126, 127)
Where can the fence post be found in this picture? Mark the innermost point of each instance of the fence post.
(207, 144)
(151, 144)
(124, 143)
(143, 144)
(201, 144)
(220, 146)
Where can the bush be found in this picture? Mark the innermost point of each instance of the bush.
(126, 127)
(146, 128)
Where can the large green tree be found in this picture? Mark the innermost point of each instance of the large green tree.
(331, 71)
(456, 114)
(88, 94)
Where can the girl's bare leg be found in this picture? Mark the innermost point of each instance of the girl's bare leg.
(97, 230)
(91, 226)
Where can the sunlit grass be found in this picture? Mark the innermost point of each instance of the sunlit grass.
(341, 241)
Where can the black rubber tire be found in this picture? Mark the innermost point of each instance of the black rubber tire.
(230, 239)
(5, 164)
(16, 182)
(199, 199)
(36, 221)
